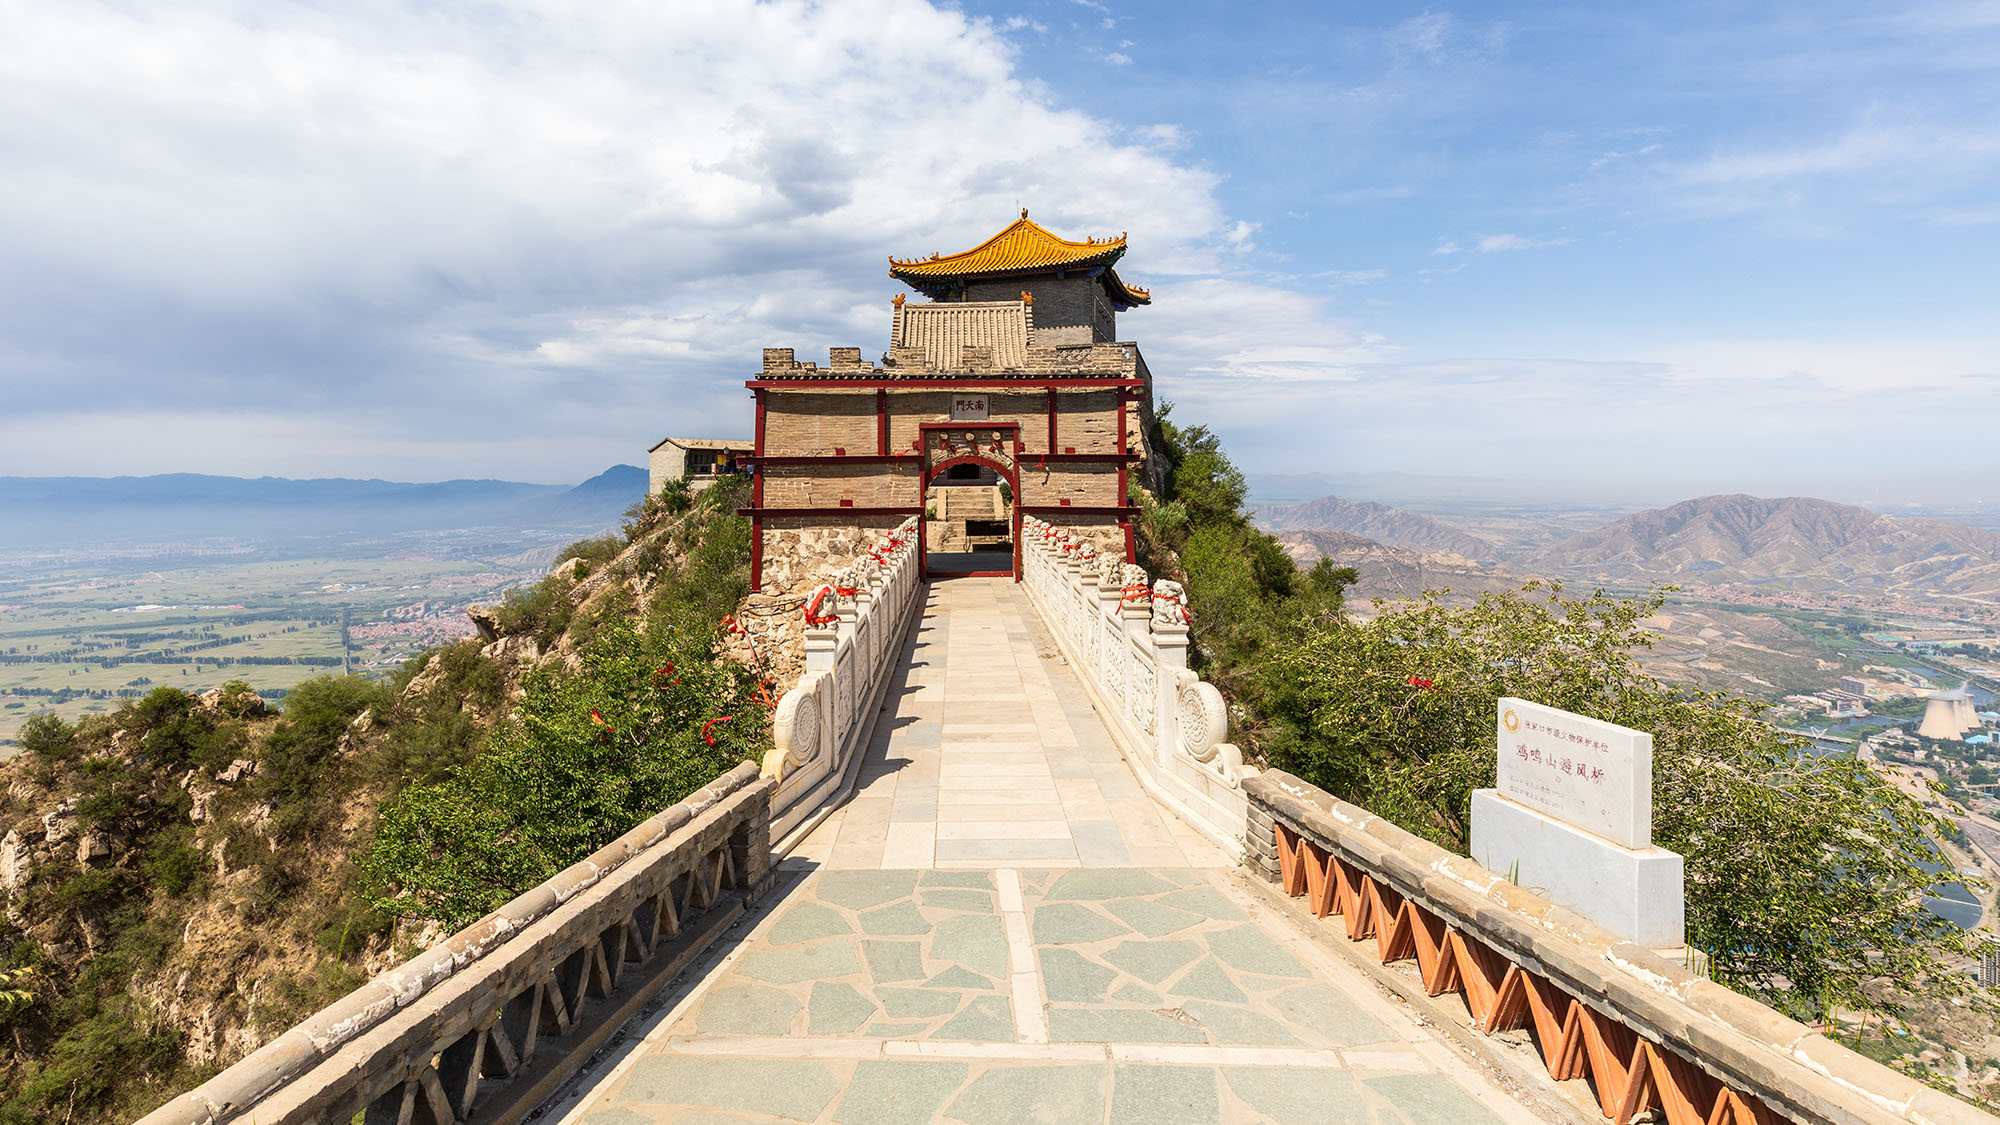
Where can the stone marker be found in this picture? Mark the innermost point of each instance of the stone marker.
(1572, 821)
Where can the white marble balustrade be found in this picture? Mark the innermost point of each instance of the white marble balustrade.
(821, 724)
(1128, 640)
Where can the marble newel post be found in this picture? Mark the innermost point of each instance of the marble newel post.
(820, 643)
(1170, 643)
(1108, 594)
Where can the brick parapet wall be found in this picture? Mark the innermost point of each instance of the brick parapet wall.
(1511, 951)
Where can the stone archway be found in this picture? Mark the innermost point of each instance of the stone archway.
(950, 449)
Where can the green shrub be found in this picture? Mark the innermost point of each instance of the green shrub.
(48, 738)
(588, 754)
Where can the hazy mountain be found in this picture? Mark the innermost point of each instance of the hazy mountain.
(1790, 543)
(1394, 572)
(1377, 522)
(42, 512)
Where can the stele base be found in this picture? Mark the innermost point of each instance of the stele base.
(1635, 893)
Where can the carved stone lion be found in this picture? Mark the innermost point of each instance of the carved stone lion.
(1169, 603)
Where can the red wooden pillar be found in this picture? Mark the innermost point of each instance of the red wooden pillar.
(882, 421)
(757, 502)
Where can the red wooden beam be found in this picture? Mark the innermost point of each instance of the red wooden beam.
(834, 510)
(1026, 384)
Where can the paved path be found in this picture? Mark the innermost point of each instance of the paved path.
(1001, 928)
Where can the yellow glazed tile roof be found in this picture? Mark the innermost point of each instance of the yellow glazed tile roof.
(1025, 246)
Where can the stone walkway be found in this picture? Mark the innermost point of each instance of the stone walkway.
(1000, 927)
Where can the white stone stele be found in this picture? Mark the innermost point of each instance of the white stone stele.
(1572, 821)
(1636, 893)
(1585, 772)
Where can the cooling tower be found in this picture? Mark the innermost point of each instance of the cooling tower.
(1947, 715)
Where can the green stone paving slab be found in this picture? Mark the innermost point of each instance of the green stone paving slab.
(956, 977)
(916, 1003)
(1248, 948)
(1034, 881)
(1070, 924)
(807, 921)
(1130, 993)
(817, 961)
(1157, 1095)
(971, 880)
(1255, 983)
(794, 1090)
(1071, 977)
(1207, 981)
(746, 1009)
(836, 1009)
(1429, 1099)
(1109, 882)
(1149, 917)
(1119, 1025)
(988, 1019)
(895, 918)
(897, 1030)
(702, 1117)
(1046, 1095)
(1321, 1010)
(1233, 1026)
(1300, 1097)
(1152, 961)
(893, 960)
(958, 900)
(900, 1091)
(859, 890)
(978, 942)
(1205, 901)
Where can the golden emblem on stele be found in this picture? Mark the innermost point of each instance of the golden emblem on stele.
(1511, 721)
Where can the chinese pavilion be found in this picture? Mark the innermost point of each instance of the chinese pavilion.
(1011, 373)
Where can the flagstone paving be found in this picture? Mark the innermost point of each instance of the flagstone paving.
(1102, 964)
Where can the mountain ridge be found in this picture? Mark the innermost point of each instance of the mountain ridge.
(1377, 522)
(1793, 542)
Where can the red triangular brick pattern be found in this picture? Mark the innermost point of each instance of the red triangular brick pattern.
(1627, 1073)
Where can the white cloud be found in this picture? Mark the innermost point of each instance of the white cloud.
(1117, 58)
(458, 214)
(1501, 243)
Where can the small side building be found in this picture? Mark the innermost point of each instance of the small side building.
(699, 460)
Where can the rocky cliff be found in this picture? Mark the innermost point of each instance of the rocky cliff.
(179, 877)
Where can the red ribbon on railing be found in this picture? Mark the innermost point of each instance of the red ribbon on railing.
(813, 615)
(1134, 593)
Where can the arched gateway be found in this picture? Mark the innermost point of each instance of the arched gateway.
(1010, 374)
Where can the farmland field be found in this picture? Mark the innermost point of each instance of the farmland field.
(77, 636)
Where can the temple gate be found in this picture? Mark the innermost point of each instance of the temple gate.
(1006, 394)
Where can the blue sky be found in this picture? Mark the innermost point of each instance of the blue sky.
(1630, 252)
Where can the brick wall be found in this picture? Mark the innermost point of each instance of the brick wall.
(826, 485)
(1059, 302)
(814, 423)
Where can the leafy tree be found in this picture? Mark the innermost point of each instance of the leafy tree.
(646, 719)
(1247, 595)
(1804, 873)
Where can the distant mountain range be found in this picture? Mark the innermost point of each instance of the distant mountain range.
(1395, 572)
(1379, 522)
(1793, 543)
(38, 512)
(1790, 543)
